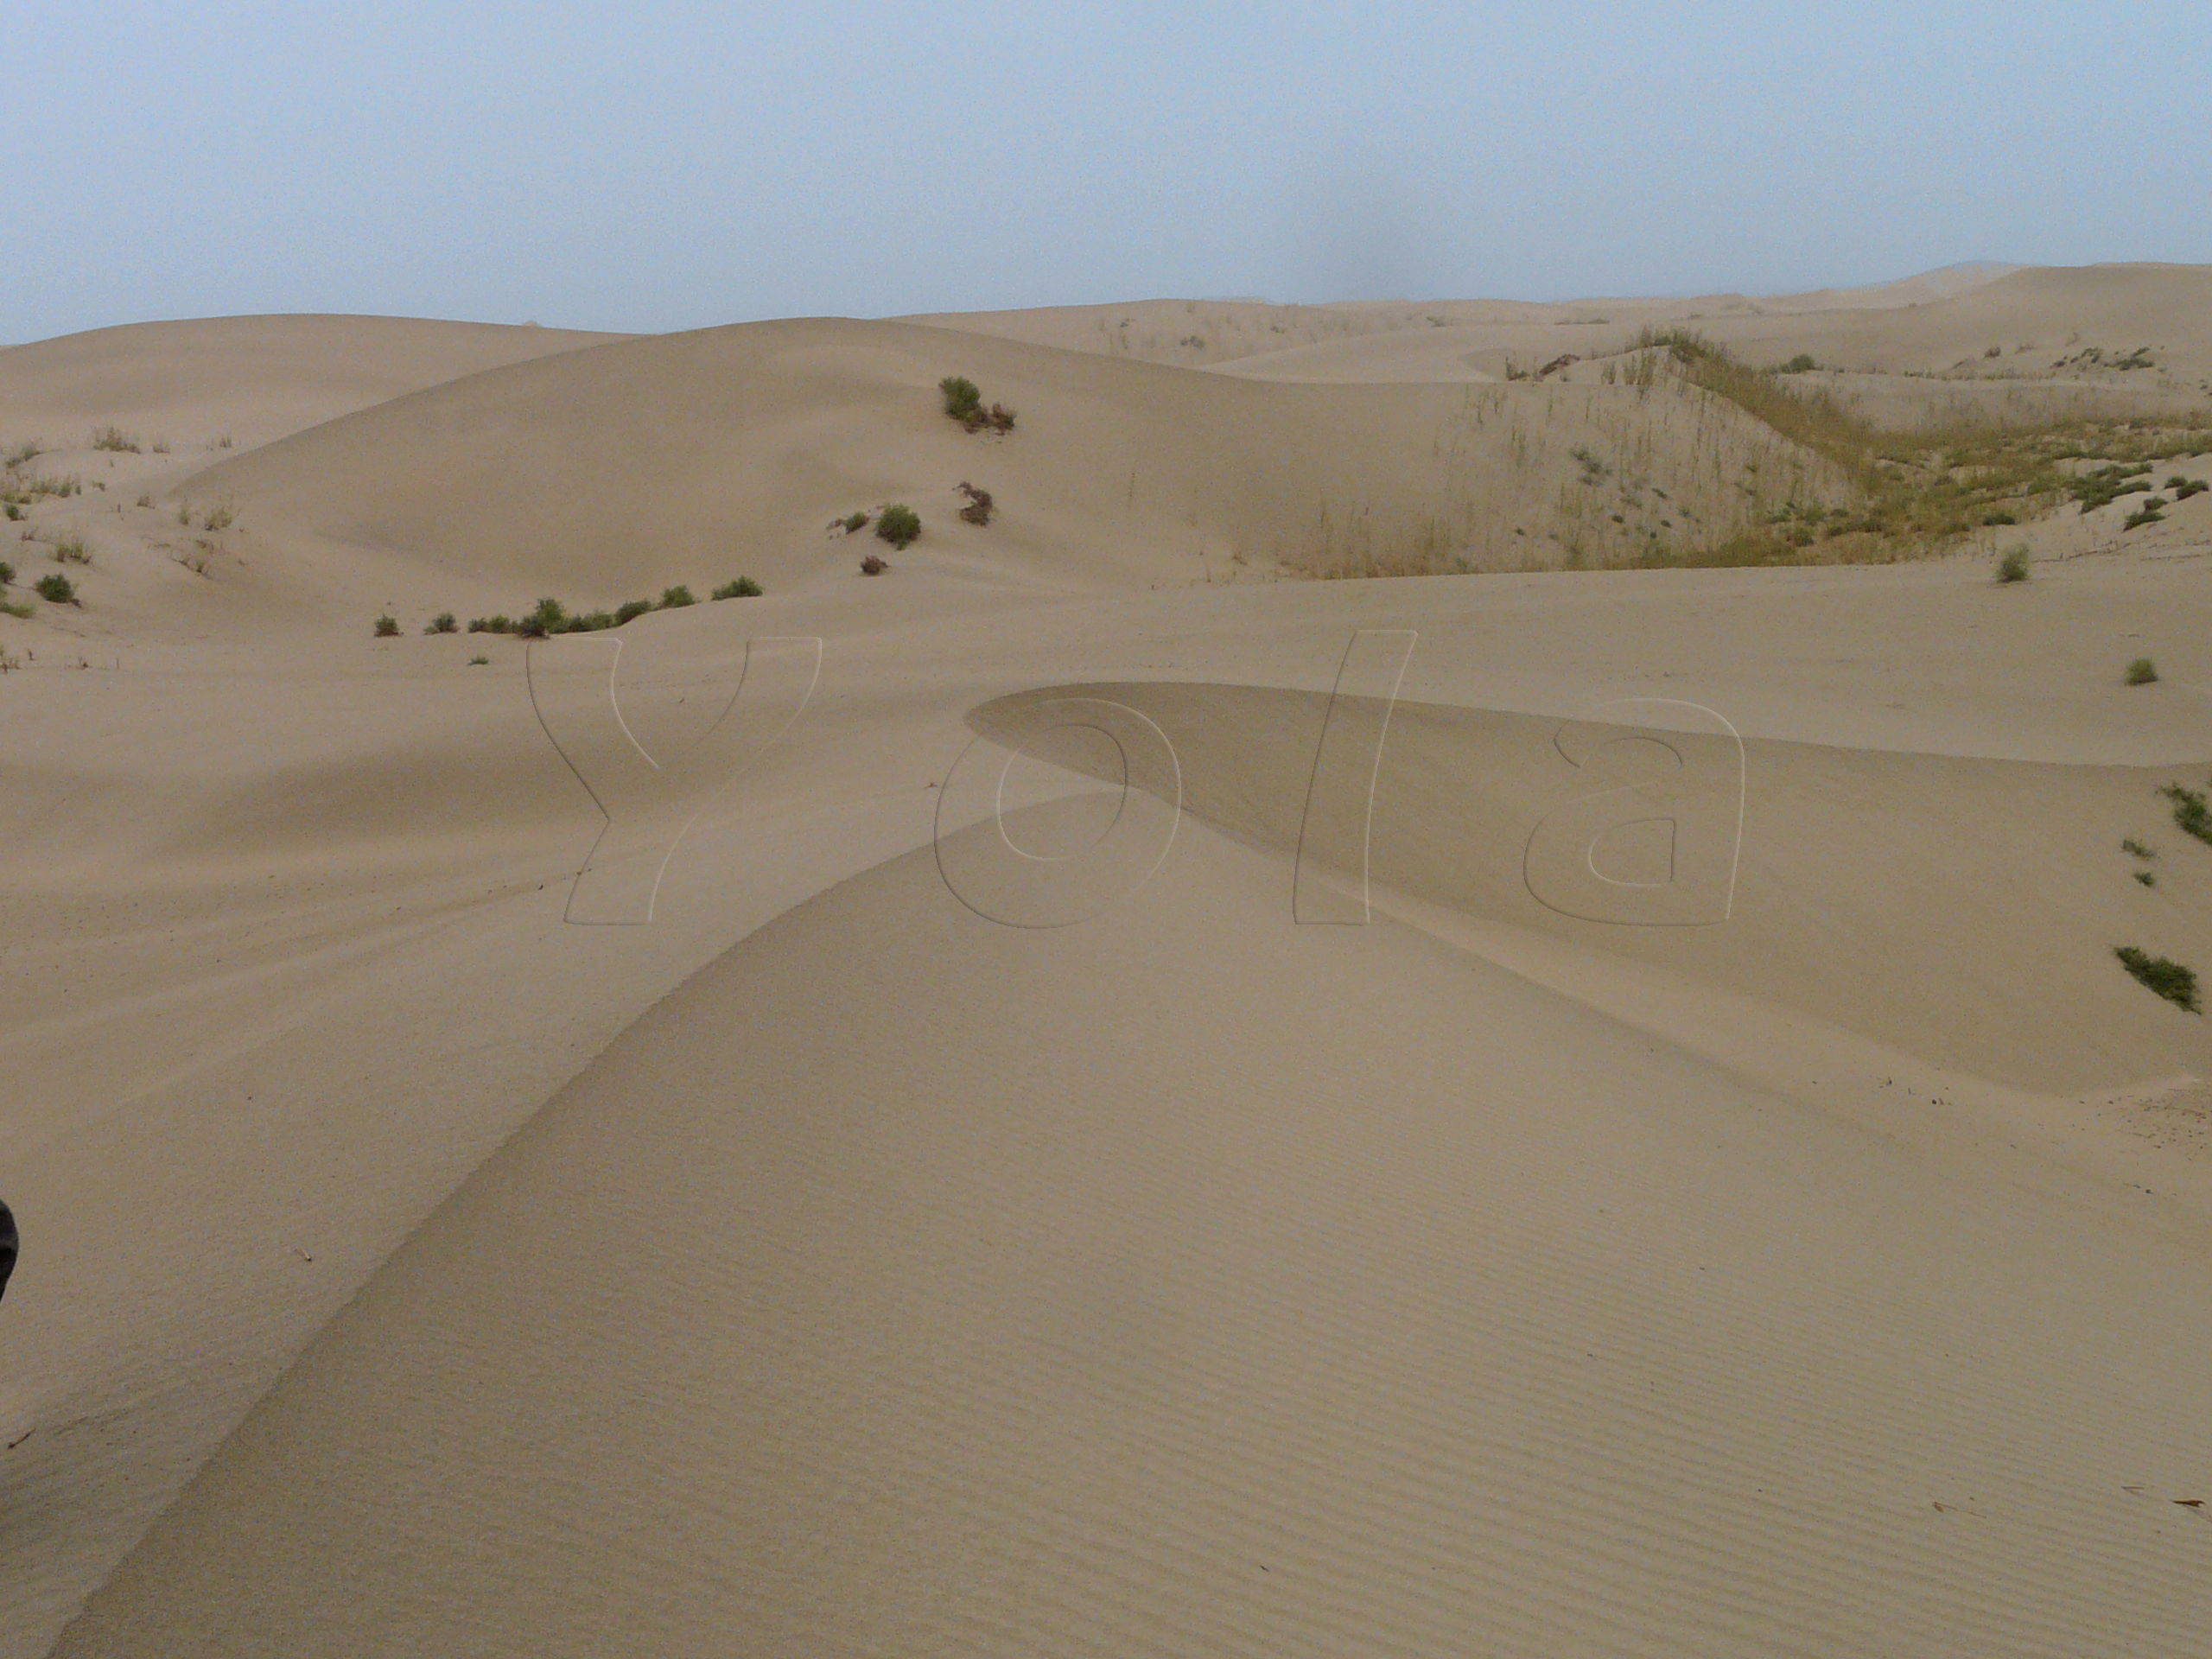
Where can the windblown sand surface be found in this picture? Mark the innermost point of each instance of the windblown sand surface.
(827, 1266)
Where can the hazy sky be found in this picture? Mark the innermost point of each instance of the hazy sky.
(670, 166)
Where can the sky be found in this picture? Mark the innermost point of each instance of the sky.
(661, 166)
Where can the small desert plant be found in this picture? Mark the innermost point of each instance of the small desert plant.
(547, 616)
(2012, 564)
(631, 609)
(480, 661)
(22, 456)
(113, 437)
(2171, 980)
(1992, 520)
(71, 549)
(12, 508)
(2192, 814)
(387, 627)
(56, 590)
(743, 588)
(676, 598)
(158, 447)
(2186, 488)
(1803, 363)
(221, 518)
(146, 498)
(7, 573)
(2149, 513)
(443, 622)
(2136, 849)
(2142, 672)
(2148, 878)
(898, 524)
(8, 608)
(978, 509)
(852, 523)
(963, 397)
(872, 565)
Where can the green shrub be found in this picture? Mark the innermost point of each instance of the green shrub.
(963, 397)
(676, 598)
(631, 609)
(547, 616)
(56, 590)
(2186, 488)
(71, 549)
(2142, 672)
(2192, 814)
(853, 522)
(2148, 878)
(2149, 514)
(387, 626)
(8, 608)
(480, 661)
(899, 525)
(2135, 848)
(2013, 565)
(442, 623)
(1803, 363)
(7, 574)
(2171, 980)
(743, 588)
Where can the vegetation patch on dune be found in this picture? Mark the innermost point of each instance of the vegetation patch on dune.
(2168, 978)
(963, 402)
(551, 616)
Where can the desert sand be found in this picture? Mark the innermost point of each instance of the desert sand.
(1405, 1202)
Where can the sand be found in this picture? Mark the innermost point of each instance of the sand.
(829, 1267)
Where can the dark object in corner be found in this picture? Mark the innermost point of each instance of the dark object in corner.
(7, 1247)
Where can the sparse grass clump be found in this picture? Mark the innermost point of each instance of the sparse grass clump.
(387, 627)
(114, 438)
(480, 661)
(443, 622)
(10, 608)
(2192, 813)
(2186, 488)
(2012, 564)
(7, 574)
(2148, 878)
(71, 549)
(56, 590)
(2136, 849)
(2169, 979)
(852, 523)
(873, 565)
(980, 506)
(743, 588)
(2142, 672)
(899, 525)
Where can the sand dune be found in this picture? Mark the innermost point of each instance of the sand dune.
(825, 1268)
(249, 379)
